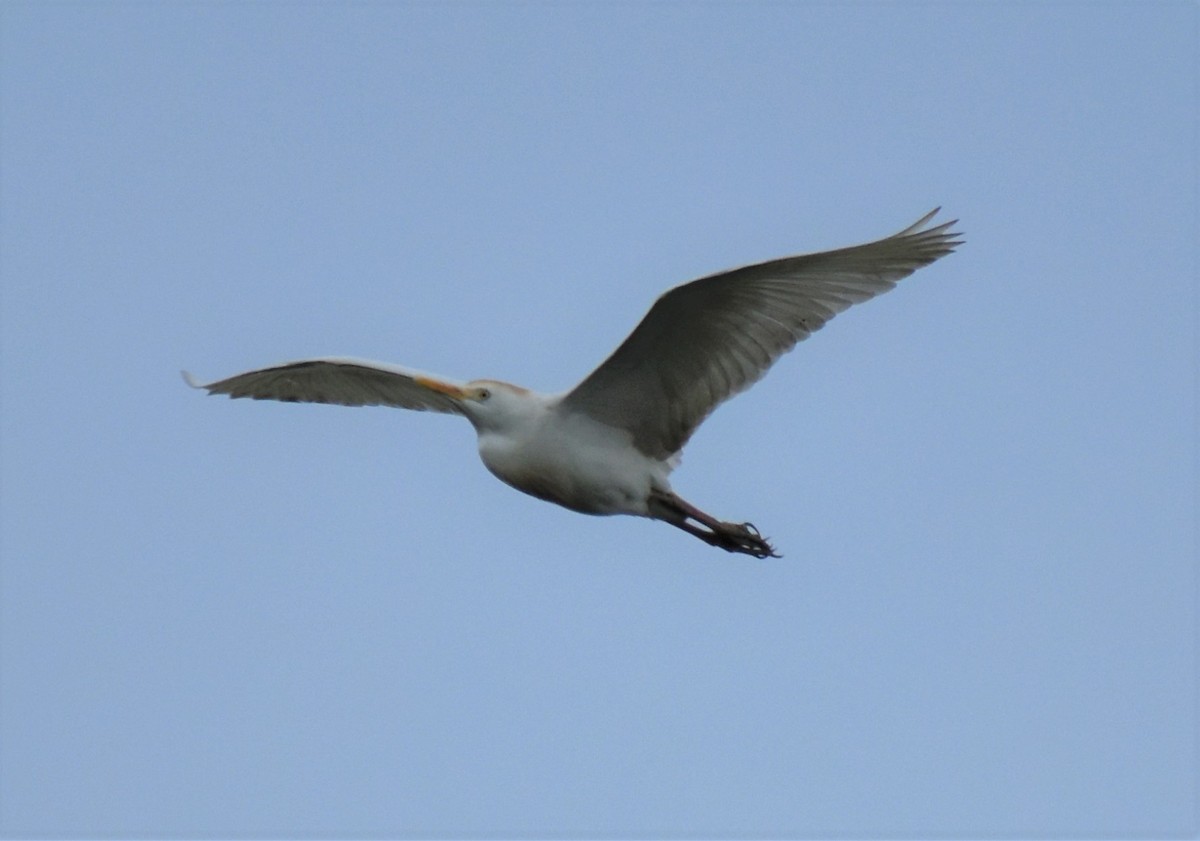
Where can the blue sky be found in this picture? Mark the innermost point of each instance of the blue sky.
(244, 619)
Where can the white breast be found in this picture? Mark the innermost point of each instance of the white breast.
(576, 462)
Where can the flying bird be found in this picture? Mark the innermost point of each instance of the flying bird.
(608, 445)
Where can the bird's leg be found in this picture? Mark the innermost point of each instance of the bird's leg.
(732, 537)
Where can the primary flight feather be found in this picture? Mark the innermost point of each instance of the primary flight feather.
(608, 445)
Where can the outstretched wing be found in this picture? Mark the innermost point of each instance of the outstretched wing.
(343, 381)
(705, 341)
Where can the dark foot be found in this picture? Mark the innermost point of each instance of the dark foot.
(732, 537)
(744, 538)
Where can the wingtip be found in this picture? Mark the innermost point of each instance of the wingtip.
(918, 227)
(951, 238)
(190, 380)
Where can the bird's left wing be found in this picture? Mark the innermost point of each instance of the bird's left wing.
(343, 381)
(704, 341)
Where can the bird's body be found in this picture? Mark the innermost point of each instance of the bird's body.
(608, 446)
(569, 459)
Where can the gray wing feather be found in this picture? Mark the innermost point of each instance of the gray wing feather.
(338, 380)
(706, 340)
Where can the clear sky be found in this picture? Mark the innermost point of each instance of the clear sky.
(244, 619)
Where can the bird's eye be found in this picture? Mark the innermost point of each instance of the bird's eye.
(484, 394)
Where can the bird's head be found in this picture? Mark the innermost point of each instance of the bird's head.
(490, 404)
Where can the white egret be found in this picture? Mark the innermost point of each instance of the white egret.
(609, 445)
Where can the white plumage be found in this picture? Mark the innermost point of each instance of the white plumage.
(608, 445)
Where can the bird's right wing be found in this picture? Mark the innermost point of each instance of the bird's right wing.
(705, 341)
(343, 381)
